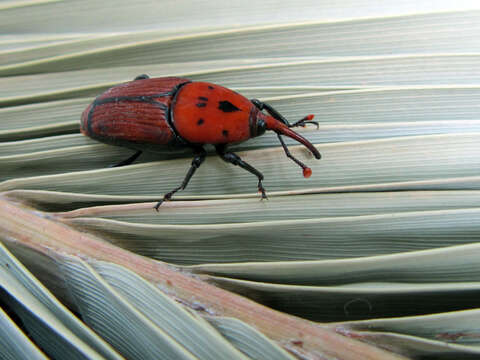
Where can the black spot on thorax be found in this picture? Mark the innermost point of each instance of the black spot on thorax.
(200, 121)
(227, 106)
(203, 98)
(201, 104)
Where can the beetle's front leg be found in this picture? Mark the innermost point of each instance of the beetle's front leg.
(275, 114)
(200, 155)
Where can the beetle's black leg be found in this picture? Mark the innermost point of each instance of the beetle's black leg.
(258, 104)
(128, 161)
(200, 155)
(142, 77)
(264, 106)
(234, 159)
(289, 155)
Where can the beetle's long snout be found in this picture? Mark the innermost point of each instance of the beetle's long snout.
(281, 128)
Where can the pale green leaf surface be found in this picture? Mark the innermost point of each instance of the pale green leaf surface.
(194, 335)
(19, 147)
(114, 16)
(331, 73)
(42, 294)
(387, 105)
(55, 86)
(362, 71)
(359, 300)
(292, 207)
(13, 43)
(432, 33)
(248, 340)
(39, 131)
(60, 201)
(113, 317)
(395, 87)
(14, 343)
(43, 325)
(459, 327)
(421, 347)
(305, 239)
(27, 117)
(427, 162)
(447, 264)
(187, 328)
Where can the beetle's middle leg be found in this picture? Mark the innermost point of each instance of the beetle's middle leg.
(234, 159)
(200, 155)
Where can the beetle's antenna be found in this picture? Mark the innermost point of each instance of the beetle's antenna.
(307, 172)
(305, 121)
(280, 128)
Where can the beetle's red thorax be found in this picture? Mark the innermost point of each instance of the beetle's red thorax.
(205, 113)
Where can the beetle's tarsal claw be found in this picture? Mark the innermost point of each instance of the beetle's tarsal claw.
(158, 205)
(166, 197)
(261, 190)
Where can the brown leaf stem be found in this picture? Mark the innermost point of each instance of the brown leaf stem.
(47, 235)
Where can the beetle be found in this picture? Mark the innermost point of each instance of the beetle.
(155, 114)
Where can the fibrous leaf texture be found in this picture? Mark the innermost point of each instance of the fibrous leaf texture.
(375, 256)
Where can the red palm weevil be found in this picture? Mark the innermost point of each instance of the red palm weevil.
(155, 114)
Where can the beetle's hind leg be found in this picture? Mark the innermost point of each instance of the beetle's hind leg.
(200, 155)
(128, 161)
(234, 159)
